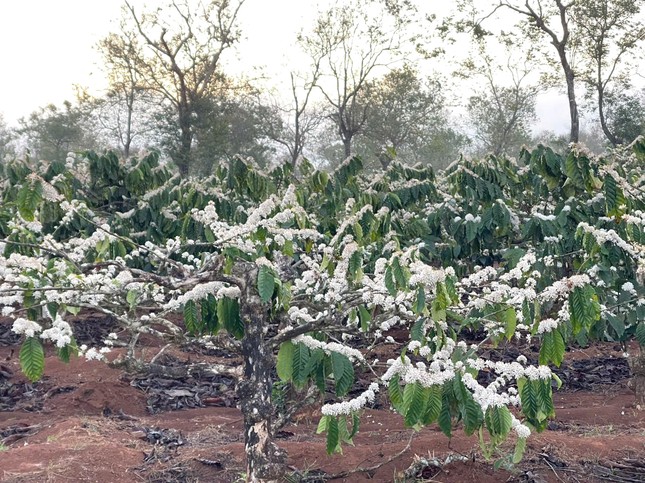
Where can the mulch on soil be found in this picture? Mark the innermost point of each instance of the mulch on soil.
(170, 394)
(88, 421)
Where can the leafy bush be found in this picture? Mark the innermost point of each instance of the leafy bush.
(303, 271)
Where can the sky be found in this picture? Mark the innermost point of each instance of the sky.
(48, 47)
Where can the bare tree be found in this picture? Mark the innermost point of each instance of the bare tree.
(501, 114)
(552, 18)
(540, 19)
(292, 125)
(183, 46)
(609, 31)
(116, 111)
(347, 45)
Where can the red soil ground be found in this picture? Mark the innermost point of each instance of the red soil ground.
(91, 425)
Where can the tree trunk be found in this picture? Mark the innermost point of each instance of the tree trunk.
(637, 382)
(603, 122)
(347, 144)
(182, 158)
(128, 126)
(265, 462)
(574, 134)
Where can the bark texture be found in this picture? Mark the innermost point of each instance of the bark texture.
(265, 462)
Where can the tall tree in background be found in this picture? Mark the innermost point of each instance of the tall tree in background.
(552, 19)
(540, 20)
(122, 115)
(181, 57)
(52, 132)
(598, 34)
(229, 122)
(405, 115)
(625, 116)
(501, 115)
(291, 126)
(609, 30)
(348, 44)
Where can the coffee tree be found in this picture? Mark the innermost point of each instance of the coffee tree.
(302, 272)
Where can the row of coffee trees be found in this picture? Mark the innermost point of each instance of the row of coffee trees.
(300, 271)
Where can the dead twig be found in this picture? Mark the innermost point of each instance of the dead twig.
(552, 469)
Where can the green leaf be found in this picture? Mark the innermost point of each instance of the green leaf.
(316, 367)
(266, 283)
(354, 269)
(415, 398)
(471, 231)
(520, 447)
(537, 401)
(343, 373)
(210, 322)
(545, 395)
(420, 301)
(557, 380)
(498, 421)
(510, 322)
(471, 412)
(472, 415)
(617, 323)
(399, 274)
(438, 313)
(333, 436)
(584, 308)
(228, 313)
(452, 290)
(343, 432)
(442, 298)
(553, 348)
(614, 197)
(300, 366)
(323, 424)
(73, 310)
(32, 358)
(365, 318)
(445, 416)
(395, 393)
(131, 298)
(210, 237)
(573, 171)
(65, 353)
(191, 317)
(285, 361)
(529, 399)
(356, 422)
(52, 308)
(389, 282)
(29, 198)
(417, 331)
(433, 407)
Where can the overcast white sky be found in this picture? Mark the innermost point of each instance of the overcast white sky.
(48, 46)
